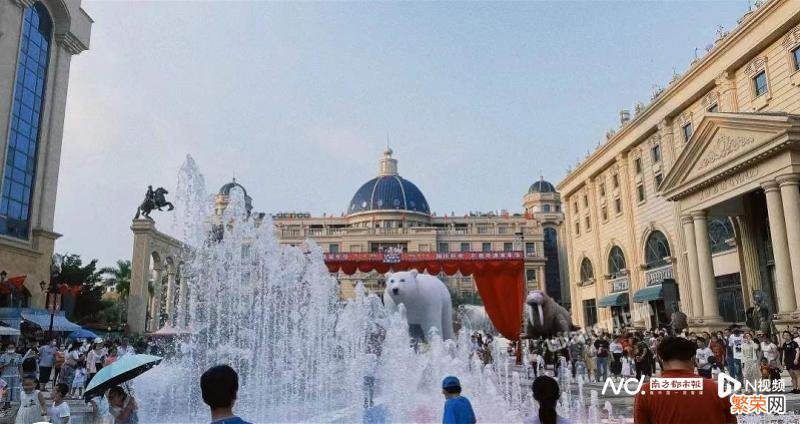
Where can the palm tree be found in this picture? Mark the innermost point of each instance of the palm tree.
(120, 277)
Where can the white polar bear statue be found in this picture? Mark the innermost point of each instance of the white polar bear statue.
(426, 299)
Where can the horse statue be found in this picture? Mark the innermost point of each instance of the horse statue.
(153, 199)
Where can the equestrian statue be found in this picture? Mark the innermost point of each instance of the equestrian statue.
(153, 199)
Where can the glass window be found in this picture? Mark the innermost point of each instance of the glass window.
(575, 206)
(655, 153)
(687, 131)
(585, 200)
(615, 180)
(617, 205)
(530, 274)
(443, 247)
(333, 248)
(578, 228)
(637, 165)
(604, 213)
(486, 247)
(20, 167)
(656, 250)
(616, 262)
(659, 180)
(507, 247)
(590, 312)
(588, 223)
(587, 271)
(465, 247)
(546, 207)
(760, 83)
(641, 192)
(530, 248)
(720, 231)
(713, 108)
(602, 189)
(796, 57)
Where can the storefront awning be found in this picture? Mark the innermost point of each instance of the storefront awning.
(615, 299)
(60, 322)
(648, 293)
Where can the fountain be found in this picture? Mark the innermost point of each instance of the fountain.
(272, 312)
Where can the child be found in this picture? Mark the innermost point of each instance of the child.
(100, 410)
(457, 408)
(32, 404)
(627, 366)
(79, 381)
(59, 412)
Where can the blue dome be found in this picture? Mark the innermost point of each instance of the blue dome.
(541, 186)
(388, 193)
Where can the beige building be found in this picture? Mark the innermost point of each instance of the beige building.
(37, 42)
(701, 186)
(389, 211)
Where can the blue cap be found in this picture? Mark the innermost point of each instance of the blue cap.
(450, 381)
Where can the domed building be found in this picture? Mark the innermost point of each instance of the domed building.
(391, 212)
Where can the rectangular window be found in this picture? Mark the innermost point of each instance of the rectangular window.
(617, 205)
(530, 249)
(713, 108)
(659, 180)
(486, 247)
(687, 131)
(796, 57)
(444, 247)
(507, 247)
(590, 312)
(640, 191)
(602, 190)
(637, 165)
(575, 206)
(333, 248)
(760, 83)
(585, 201)
(604, 213)
(465, 247)
(615, 180)
(655, 153)
(588, 223)
(530, 274)
(577, 228)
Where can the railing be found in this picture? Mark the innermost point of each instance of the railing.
(323, 232)
(619, 284)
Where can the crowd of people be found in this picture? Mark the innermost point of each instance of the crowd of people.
(34, 372)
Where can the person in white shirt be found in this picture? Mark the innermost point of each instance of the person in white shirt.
(58, 413)
(616, 352)
(735, 341)
(770, 351)
(702, 358)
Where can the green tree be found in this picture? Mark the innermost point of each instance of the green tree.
(69, 269)
(119, 276)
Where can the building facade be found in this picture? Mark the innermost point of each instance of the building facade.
(700, 187)
(37, 42)
(391, 212)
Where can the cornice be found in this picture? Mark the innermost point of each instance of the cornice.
(70, 43)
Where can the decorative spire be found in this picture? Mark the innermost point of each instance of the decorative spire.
(388, 165)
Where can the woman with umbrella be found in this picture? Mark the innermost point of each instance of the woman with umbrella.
(123, 406)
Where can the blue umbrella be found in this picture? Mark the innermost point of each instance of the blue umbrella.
(120, 371)
(82, 334)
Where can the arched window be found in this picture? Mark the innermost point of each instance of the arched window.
(720, 230)
(29, 89)
(587, 272)
(656, 251)
(616, 262)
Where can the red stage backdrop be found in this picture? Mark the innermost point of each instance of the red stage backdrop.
(498, 276)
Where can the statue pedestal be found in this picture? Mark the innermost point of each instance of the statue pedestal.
(710, 324)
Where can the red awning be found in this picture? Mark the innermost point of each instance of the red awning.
(498, 276)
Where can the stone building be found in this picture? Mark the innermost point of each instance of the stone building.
(389, 211)
(700, 186)
(37, 42)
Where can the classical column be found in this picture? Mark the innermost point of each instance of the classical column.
(694, 271)
(726, 84)
(183, 305)
(170, 295)
(748, 255)
(784, 292)
(705, 265)
(155, 321)
(790, 194)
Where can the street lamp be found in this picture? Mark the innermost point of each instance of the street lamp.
(521, 238)
(53, 302)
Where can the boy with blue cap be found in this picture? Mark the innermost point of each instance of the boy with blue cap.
(457, 409)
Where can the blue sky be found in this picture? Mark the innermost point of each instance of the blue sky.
(297, 99)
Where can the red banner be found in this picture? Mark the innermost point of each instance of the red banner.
(498, 276)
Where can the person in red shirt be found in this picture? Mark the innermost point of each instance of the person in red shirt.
(657, 407)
